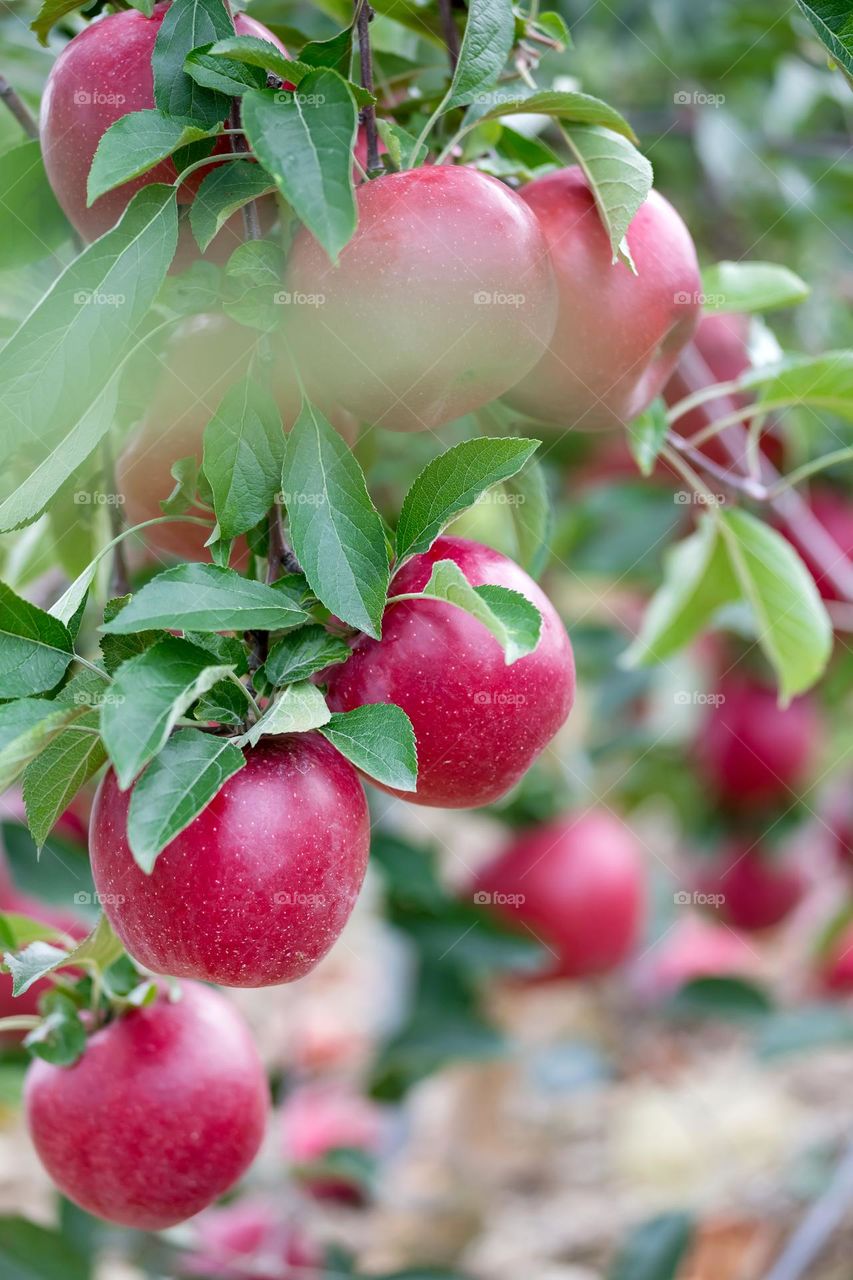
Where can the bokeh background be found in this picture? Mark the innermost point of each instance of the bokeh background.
(439, 1114)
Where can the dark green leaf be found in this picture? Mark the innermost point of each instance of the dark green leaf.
(223, 191)
(336, 52)
(654, 1250)
(301, 653)
(509, 616)
(179, 783)
(243, 456)
(35, 649)
(578, 108)
(61, 1037)
(486, 45)
(204, 597)
(225, 75)
(336, 531)
(186, 25)
(379, 739)
(31, 1252)
(831, 21)
(135, 144)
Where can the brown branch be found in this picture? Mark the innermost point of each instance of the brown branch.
(450, 32)
(120, 577)
(239, 145)
(364, 14)
(18, 108)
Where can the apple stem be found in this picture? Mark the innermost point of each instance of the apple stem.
(251, 217)
(364, 14)
(18, 108)
(450, 32)
(120, 578)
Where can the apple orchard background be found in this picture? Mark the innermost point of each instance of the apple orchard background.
(686, 1113)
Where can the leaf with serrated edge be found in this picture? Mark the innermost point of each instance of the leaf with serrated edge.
(35, 649)
(301, 653)
(186, 25)
(148, 695)
(510, 617)
(298, 709)
(180, 782)
(452, 483)
(379, 739)
(619, 176)
(53, 779)
(243, 456)
(486, 45)
(204, 597)
(27, 727)
(227, 188)
(335, 529)
(135, 144)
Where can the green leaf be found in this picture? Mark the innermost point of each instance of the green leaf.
(379, 739)
(302, 653)
(206, 598)
(60, 1038)
(224, 704)
(578, 108)
(527, 493)
(186, 25)
(222, 192)
(831, 21)
(179, 783)
(27, 728)
(253, 284)
(32, 224)
(65, 765)
(698, 580)
(793, 627)
(298, 709)
(655, 1250)
(36, 960)
(751, 286)
(58, 371)
(148, 695)
(225, 75)
(452, 483)
(403, 147)
(486, 45)
(19, 931)
(336, 52)
(31, 1252)
(135, 144)
(336, 531)
(509, 616)
(721, 996)
(35, 649)
(255, 52)
(620, 178)
(823, 382)
(646, 436)
(243, 456)
(305, 141)
(116, 649)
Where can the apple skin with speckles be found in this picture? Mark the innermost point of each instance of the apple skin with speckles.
(479, 724)
(441, 301)
(102, 74)
(162, 1114)
(618, 335)
(256, 890)
(578, 884)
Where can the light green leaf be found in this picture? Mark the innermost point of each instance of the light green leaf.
(205, 597)
(243, 456)
(36, 960)
(646, 436)
(486, 45)
(53, 779)
(32, 224)
(336, 531)
(305, 141)
(823, 382)
(298, 709)
(751, 286)
(452, 483)
(578, 108)
(135, 144)
(180, 782)
(148, 695)
(379, 739)
(509, 616)
(531, 516)
(620, 178)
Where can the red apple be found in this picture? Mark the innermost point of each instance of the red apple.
(751, 751)
(479, 724)
(835, 965)
(618, 335)
(578, 884)
(838, 818)
(164, 1111)
(834, 510)
(692, 948)
(102, 74)
(258, 887)
(250, 1240)
(756, 889)
(442, 300)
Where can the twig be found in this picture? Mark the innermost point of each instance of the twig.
(450, 32)
(752, 488)
(809, 534)
(18, 108)
(276, 551)
(239, 145)
(364, 13)
(120, 578)
(823, 1218)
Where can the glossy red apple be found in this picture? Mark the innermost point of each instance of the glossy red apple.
(751, 751)
(578, 884)
(164, 1111)
(442, 300)
(618, 335)
(755, 888)
(834, 510)
(258, 887)
(690, 949)
(102, 74)
(479, 724)
(250, 1240)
